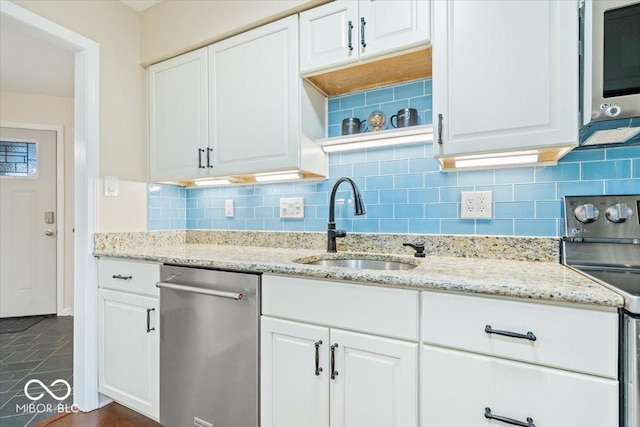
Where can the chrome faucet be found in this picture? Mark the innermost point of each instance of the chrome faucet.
(358, 209)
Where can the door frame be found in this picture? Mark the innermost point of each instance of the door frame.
(86, 157)
(60, 212)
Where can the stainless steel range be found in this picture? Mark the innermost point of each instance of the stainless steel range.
(603, 241)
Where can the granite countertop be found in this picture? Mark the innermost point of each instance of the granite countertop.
(533, 280)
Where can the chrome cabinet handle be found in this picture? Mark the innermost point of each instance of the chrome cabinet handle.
(49, 233)
(121, 277)
(440, 129)
(350, 29)
(334, 373)
(209, 150)
(318, 368)
(200, 151)
(528, 336)
(149, 328)
(362, 24)
(489, 415)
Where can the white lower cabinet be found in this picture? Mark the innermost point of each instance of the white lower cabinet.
(316, 376)
(128, 335)
(338, 355)
(293, 394)
(460, 389)
(376, 381)
(492, 362)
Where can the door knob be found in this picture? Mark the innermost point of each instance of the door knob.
(50, 233)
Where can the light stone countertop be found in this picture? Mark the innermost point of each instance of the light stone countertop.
(532, 280)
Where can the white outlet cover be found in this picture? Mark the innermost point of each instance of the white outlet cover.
(476, 205)
(228, 208)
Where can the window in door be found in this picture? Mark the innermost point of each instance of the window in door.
(19, 159)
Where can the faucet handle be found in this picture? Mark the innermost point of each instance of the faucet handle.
(419, 247)
(341, 233)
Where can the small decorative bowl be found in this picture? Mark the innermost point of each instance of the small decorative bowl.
(377, 121)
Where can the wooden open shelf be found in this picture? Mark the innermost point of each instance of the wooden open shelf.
(379, 72)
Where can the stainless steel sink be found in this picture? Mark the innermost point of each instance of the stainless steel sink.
(359, 263)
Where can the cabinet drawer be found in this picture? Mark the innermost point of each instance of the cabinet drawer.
(129, 276)
(565, 337)
(457, 387)
(372, 309)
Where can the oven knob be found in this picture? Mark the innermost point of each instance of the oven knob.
(586, 213)
(620, 212)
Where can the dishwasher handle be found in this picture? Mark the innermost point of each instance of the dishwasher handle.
(204, 291)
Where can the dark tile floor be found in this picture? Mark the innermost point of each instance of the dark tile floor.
(44, 352)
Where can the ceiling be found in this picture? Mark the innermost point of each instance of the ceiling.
(140, 5)
(34, 62)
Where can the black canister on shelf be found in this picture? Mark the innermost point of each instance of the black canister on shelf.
(405, 118)
(352, 125)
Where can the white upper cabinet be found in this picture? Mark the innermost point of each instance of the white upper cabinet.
(254, 98)
(505, 75)
(178, 116)
(391, 24)
(344, 31)
(236, 108)
(329, 35)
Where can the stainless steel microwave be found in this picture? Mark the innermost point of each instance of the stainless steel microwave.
(610, 71)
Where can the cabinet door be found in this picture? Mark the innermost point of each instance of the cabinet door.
(458, 386)
(329, 35)
(505, 74)
(292, 393)
(254, 97)
(128, 353)
(392, 25)
(178, 117)
(376, 384)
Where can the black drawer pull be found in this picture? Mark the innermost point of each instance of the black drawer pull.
(149, 328)
(121, 277)
(334, 373)
(200, 151)
(528, 336)
(489, 415)
(362, 24)
(440, 129)
(318, 368)
(350, 27)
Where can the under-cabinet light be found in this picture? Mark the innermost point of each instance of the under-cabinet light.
(395, 137)
(278, 176)
(497, 159)
(211, 182)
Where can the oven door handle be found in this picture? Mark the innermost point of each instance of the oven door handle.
(621, 240)
(203, 291)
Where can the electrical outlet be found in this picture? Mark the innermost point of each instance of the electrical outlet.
(292, 207)
(476, 205)
(228, 208)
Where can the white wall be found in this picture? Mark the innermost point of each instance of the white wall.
(173, 27)
(123, 117)
(50, 110)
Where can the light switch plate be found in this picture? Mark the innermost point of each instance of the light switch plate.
(476, 205)
(292, 207)
(228, 208)
(110, 186)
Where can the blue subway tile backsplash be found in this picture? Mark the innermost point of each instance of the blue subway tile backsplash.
(402, 187)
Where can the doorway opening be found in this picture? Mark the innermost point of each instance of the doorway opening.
(86, 165)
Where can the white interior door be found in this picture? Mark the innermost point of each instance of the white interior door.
(27, 222)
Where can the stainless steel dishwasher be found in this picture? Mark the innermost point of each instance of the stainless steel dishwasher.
(209, 347)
